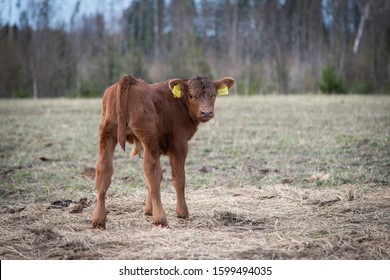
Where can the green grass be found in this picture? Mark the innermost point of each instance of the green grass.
(256, 141)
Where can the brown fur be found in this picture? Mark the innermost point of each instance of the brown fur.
(148, 116)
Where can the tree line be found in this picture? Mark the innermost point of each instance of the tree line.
(269, 46)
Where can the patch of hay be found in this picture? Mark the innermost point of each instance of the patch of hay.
(279, 222)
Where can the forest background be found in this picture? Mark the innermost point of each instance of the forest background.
(269, 46)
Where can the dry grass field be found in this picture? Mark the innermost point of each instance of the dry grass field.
(271, 177)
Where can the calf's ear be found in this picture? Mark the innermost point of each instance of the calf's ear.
(222, 86)
(177, 87)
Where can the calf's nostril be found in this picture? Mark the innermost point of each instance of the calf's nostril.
(206, 113)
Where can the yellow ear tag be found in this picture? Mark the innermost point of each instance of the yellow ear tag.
(222, 91)
(176, 91)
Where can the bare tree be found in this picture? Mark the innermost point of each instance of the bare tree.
(268, 46)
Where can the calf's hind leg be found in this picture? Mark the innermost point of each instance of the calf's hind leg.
(153, 174)
(104, 171)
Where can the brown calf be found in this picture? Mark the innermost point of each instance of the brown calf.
(159, 119)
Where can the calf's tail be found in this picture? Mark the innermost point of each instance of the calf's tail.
(122, 115)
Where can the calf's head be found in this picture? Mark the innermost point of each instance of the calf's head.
(199, 94)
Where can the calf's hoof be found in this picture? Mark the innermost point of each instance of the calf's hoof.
(99, 219)
(161, 223)
(148, 212)
(148, 208)
(99, 225)
(183, 216)
(160, 220)
(182, 212)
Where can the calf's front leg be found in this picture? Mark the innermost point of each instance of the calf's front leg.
(177, 160)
